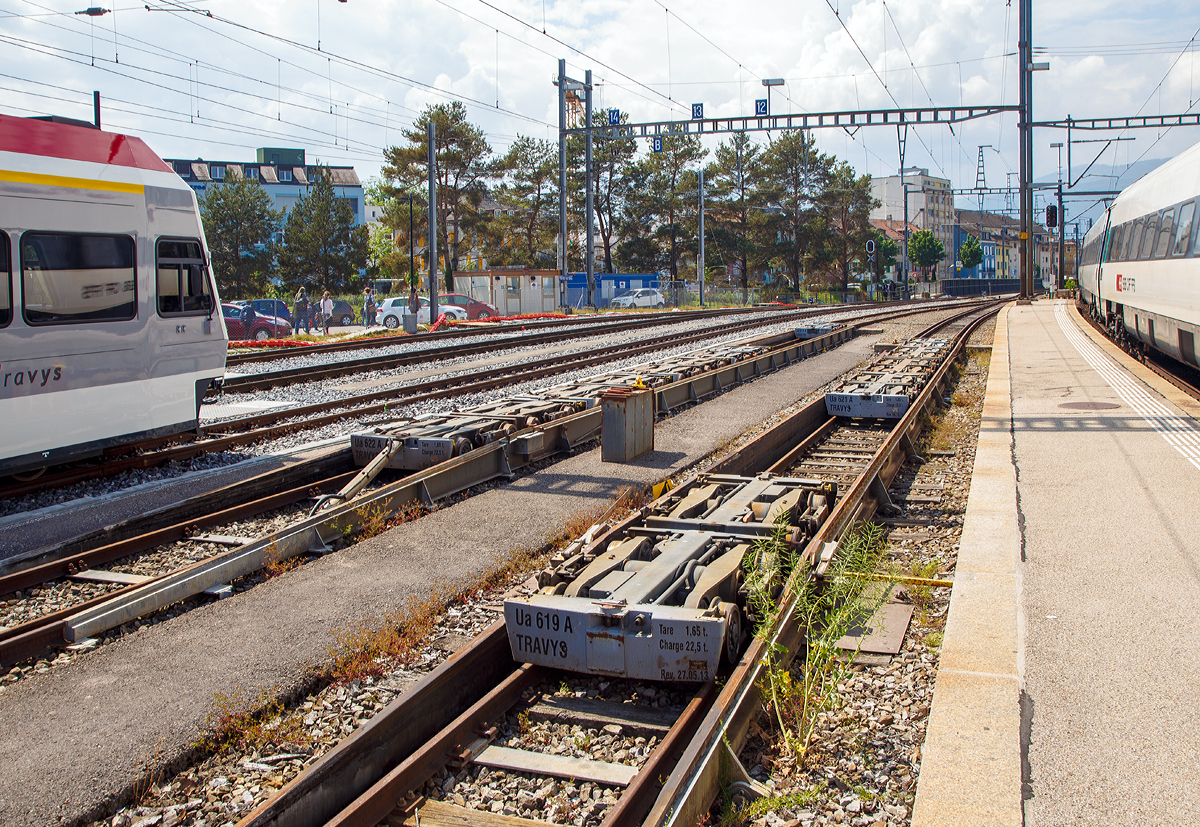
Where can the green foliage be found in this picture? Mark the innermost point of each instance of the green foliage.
(826, 609)
(525, 229)
(239, 223)
(846, 203)
(970, 252)
(462, 169)
(322, 248)
(924, 250)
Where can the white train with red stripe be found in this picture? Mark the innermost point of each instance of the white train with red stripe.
(1140, 272)
(110, 323)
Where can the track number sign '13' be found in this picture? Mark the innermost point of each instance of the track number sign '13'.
(697, 111)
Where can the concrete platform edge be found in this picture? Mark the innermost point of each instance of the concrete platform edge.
(971, 761)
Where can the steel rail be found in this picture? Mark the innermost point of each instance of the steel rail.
(42, 634)
(345, 775)
(315, 416)
(577, 326)
(696, 780)
(291, 376)
(1149, 360)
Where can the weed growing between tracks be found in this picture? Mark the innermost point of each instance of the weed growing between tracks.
(796, 696)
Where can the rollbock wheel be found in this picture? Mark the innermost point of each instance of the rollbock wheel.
(731, 648)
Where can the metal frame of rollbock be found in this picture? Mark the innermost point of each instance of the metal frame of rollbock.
(436, 719)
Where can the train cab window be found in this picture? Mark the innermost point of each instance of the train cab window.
(77, 278)
(1183, 229)
(1163, 245)
(183, 287)
(5, 281)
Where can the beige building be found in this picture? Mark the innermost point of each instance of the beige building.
(930, 206)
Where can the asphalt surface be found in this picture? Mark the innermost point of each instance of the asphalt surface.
(1111, 599)
(75, 740)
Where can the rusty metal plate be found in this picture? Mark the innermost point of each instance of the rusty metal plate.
(1089, 406)
(883, 633)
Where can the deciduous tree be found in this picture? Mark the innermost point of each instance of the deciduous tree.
(970, 252)
(924, 250)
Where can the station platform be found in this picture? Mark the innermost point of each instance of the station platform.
(1070, 668)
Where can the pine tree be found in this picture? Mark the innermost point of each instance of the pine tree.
(322, 248)
(239, 223)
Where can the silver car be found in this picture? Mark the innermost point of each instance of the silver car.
(393, 311)
(641, 297)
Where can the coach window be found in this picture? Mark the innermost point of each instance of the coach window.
(1135, 240)
(1183, 229)
(1163, 245)
(77, 278)
(1148, 237)
(183, 287)
(5, 281)
(1114, 242)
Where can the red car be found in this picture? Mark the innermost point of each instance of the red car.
(475, 308)
(264, 327)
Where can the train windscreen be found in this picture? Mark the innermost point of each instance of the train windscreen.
(77, 278)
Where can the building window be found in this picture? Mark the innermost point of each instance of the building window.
(217, 173)
(285, 175)
(252, 173)
(77, 278)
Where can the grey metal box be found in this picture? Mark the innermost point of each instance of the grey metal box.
(627, 424)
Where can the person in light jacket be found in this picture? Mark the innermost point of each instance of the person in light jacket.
(326, 311)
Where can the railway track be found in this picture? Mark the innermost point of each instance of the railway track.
(247, 430)
(515, 337)
(82, 558)
(395, 769)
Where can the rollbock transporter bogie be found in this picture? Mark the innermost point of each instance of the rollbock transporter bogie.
(664, 597)
(886, 387)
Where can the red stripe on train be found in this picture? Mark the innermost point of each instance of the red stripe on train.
(76, 143)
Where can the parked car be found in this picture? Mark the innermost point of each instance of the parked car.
(393, 311)
(263, 327)
(641, 297)
(273, 307)
(475, 308)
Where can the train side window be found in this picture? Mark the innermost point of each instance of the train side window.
(1148, 236)
(1183, 229)
(5, 281)
(1135, 238)
(1163, 245)
(77, 278)
(1114, 242)
(183, 287)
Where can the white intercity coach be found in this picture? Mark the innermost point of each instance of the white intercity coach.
(110, 324)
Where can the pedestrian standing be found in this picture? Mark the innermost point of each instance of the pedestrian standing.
(368, 307)
(300, 310)
(326, 311)
(414, 301)
(247, 318)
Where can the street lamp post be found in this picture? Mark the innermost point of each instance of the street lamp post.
(769, 82)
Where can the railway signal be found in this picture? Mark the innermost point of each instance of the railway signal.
(1051, 215)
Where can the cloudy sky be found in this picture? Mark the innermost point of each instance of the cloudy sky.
(217, 78)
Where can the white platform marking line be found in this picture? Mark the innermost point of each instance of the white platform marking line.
(1178, 431)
